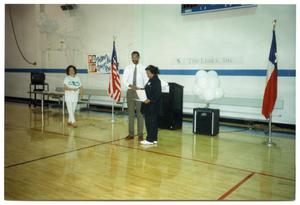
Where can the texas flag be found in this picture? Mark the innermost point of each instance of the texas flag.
(270, 94)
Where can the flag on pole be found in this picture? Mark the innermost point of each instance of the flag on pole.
(270, 94)
(114, 88)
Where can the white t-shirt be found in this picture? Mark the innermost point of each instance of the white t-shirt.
(72, 82)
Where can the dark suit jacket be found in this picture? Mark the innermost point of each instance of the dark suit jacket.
(153, 92)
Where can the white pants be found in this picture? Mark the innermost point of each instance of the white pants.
(71, 106)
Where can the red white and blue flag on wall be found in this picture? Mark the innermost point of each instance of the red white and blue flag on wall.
(114, 88)
(270, 94)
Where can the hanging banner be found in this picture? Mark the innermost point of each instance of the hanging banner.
(99, 64)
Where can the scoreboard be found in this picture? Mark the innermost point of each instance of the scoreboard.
(202, 8)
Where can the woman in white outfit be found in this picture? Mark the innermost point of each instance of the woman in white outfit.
(73, 88)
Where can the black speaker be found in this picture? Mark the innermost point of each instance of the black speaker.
(37, 78)
(206, 121)
(170, 115)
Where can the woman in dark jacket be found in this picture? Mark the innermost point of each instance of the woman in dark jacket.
(150, 107)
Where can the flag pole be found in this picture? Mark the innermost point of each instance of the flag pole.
(113, 101)
(113, 111)
(274, 24)
(269, 143)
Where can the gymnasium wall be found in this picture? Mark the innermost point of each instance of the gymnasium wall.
(235, 43)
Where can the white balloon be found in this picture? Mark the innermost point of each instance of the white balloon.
(202, 83)
(209, 94)
(195, 79)
(197, 90)
(212, 73)
(219, 93)
(213, 82)
(207, 85)
(201, 73)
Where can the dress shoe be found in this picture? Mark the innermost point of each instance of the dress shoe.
(129, 137)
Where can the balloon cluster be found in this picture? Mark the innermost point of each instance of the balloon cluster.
(207, 86)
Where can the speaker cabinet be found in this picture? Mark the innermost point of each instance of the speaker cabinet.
(206, 121)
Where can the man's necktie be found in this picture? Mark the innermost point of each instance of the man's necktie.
(134, 76)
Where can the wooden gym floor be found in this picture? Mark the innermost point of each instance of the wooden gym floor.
(94, 162)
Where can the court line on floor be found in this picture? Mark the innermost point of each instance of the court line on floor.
(67, 135)
(50, 132)
(260, 173)
(197, 160)
(235, 187)
(61, 153)
(180, 157)
(270, 175)
(73, 135)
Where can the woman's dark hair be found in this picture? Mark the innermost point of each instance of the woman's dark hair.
(135, 52)
(153, 69)
(69, 67)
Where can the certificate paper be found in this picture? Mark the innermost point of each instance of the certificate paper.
(142, 95)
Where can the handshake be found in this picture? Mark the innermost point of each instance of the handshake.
(133, 87)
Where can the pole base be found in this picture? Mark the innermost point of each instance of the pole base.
(270, 143)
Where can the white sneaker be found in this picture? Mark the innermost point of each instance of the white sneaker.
(145, 142)
(155, 142)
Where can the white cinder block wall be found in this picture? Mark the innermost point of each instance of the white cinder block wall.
(238, 39)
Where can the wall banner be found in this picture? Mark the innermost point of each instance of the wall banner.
(99, 64)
